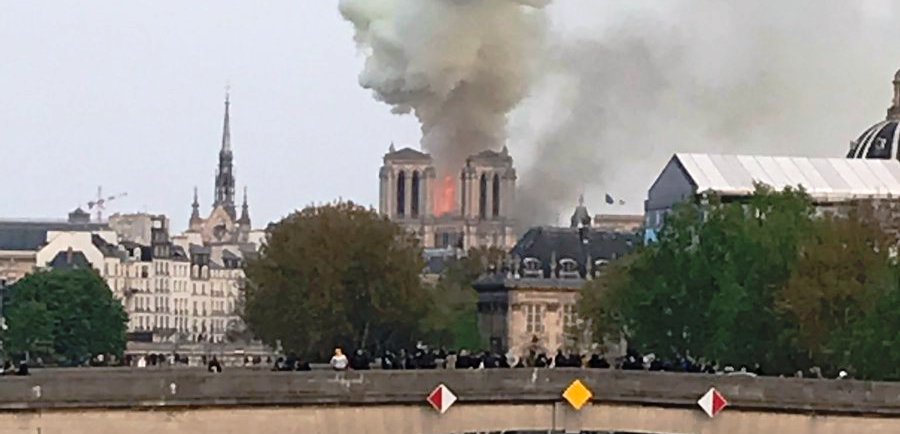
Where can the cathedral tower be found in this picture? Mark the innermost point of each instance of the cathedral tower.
(473, 209)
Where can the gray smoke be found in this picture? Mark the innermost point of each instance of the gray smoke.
(802, 77)
(460, 66)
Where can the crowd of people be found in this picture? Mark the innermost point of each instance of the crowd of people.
(424, 358)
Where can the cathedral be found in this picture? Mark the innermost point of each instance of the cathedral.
(222, 226)
(470, 208)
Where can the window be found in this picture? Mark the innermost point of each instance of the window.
(482, 199)
(534, 318)
(496, 196)
(414, 197)
(401, 193)
(532, 267)
(568, 268)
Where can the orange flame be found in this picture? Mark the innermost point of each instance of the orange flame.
(445, 198)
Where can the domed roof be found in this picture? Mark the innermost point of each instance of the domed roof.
(880, 140)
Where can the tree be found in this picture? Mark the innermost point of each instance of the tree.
(453, 319)
(64, 315)
(844, 271)
(707, 288)
(332, 275)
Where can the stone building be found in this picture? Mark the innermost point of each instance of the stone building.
(530, 303)
(468, 207)
(175, 288)
(20, 241)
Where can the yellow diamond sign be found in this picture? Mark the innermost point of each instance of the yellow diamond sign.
(577, 394)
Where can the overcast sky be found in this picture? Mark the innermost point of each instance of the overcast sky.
(129, 95)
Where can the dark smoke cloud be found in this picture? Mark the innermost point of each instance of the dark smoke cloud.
(802, 77)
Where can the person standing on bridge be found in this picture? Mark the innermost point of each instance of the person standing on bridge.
(339, 360)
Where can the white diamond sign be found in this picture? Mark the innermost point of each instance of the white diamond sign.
(712, 402)
(441, 398)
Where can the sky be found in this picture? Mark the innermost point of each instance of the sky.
(129, 96)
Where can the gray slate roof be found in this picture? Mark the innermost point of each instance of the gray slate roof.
(32, 235)
(549, 244)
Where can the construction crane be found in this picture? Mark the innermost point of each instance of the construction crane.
(99, 205)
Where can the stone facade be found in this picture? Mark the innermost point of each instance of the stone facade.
(529, 303)
(14, 265)
(170, 294)
(181, 288)
(465, 207)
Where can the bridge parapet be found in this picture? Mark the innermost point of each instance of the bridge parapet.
(86, 389)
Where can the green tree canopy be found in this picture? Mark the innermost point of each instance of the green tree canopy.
(453, 320)
(707, 287)
(336, 275)
(63, 315)
(762, 281)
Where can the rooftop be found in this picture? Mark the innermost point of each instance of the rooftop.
(824, 179)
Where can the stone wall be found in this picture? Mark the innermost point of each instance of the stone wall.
(246, 401)
(125, 388)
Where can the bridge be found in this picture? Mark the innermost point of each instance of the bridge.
(379, 402)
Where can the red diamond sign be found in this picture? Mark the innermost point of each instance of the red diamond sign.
(712, 402)
(441, 399)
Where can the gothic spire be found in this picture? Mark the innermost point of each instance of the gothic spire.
(226, 130)
(245, 211)
(225, 182)
(195, 210)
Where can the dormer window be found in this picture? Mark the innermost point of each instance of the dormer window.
(568, 268)
(532, 267)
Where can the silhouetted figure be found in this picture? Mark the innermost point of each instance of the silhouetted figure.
(560, 360)
(502, 362)
(279, 364)
(463, 360)
(303, 365)
(23, 369)
(359, 361)
(574, 360)
(214, 365)
(388, 362)
(290, 363)
(597, 362)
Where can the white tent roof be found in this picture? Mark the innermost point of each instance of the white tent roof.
(825, 179)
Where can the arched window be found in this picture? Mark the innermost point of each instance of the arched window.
(414, 201)
(496, 196)
(401, 193)
(482, 200)
(464, 207)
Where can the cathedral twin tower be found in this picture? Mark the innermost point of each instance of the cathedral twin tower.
(470, 209)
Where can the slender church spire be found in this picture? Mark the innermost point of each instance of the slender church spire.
(226, 131)
(245, 211)
(225, 182)
(195, 211)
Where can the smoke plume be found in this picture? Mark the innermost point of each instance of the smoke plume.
(655, 77)
(460, 66)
